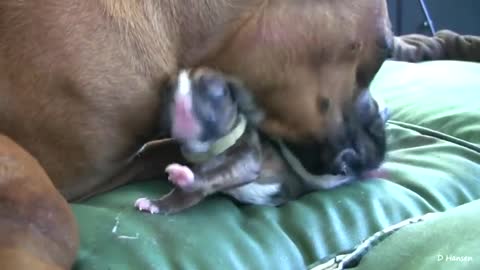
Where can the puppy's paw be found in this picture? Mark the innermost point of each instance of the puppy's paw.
(180, 175)
(146, 205)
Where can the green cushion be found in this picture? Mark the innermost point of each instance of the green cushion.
(444, 242)
(441, 96)
(432, 165)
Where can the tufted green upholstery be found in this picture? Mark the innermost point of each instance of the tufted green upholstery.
(432, 165)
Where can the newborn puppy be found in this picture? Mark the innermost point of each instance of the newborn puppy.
(357, 151)
(214, 118)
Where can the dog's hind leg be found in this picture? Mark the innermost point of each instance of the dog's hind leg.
(37, 227)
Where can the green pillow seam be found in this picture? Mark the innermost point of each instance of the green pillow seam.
(437, 134)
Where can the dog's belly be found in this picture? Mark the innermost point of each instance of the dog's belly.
(80, 141)
(73, 94)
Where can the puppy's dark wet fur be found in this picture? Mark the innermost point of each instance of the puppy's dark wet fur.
(359, 149)
(252, 169)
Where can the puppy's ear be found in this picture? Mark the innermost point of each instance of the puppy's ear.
(246, 102)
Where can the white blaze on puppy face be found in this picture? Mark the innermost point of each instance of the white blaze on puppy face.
(184, 125)
(184, 84)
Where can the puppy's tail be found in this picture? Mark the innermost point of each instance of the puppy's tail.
(444, 45)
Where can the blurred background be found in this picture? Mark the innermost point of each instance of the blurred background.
(408, 16)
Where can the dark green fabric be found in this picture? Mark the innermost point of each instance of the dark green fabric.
(444, 242)
(432, 165)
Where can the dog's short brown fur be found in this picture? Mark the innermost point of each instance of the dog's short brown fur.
(38, 230)
(79, 80)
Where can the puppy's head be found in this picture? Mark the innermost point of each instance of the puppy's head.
(205, 106)
(308, 63)
(359, 148)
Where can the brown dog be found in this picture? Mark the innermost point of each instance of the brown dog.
(79, 80)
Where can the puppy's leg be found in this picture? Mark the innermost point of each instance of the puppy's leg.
(173, 202)
(235, 171)
(194, 186)
(179, 175)
(37, 227)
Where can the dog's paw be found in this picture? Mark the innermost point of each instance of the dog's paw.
(180, 175)
(146, 205)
